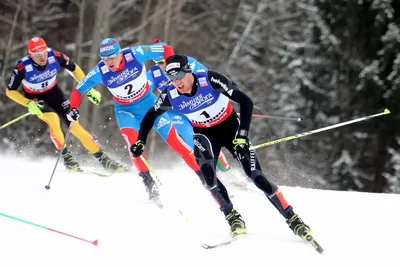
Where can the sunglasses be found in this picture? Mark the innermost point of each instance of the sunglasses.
(158, 62)
(111, 57)
(178, 76)
(38, 54)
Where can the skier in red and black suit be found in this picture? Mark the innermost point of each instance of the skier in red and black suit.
(204, 97)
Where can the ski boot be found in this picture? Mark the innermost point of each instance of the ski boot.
(151, 188)
(70, 163)
(298, 226)
(237, 224)
(108, 163)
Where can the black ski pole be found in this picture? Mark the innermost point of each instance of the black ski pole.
(59, 156)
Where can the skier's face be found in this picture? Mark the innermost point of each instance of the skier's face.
(40, 57)
(185, 84)
(113, 62)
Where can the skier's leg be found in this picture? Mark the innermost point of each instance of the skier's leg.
(57, 101)
(204, 152)
(263, 181)
(185, 130)
(129, 126)
(168, 133)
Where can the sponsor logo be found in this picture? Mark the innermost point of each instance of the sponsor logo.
(12, 78)
(223, 85)
(162, 122)
(65, 104)
(126, 113)
(140, 50)
(43, 76)
(177, 120)
(198, 145)
(173, 66)
(203, 81)
(128, 57)
(197, 101)
(174, 93)
(162, 84)
(123, 76)
(87, 77)
(104, 69)
(106, 48)
(29, 68)
(252, 160)
(160, 100)
(51, 60)
(157, 73)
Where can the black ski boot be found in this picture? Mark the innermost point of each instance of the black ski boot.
(237, 224)
(108, 163)
(69, 162)
(151, 188)
(298, 226)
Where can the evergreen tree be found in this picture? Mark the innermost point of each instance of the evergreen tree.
(353, 71)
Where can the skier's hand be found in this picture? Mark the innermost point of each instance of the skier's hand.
(94, 96)
(137, 148)
(241, 145)
(35, 108)
(73, 114)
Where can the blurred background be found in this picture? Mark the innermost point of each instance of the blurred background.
(325, 61)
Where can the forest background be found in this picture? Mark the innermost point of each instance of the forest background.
(325, 61)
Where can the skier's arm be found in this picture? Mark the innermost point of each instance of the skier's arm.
(226, 86)
(16, 77)
(162, 105)
(148, 52)
(150, 80)
(88, 82)
(195, 65)
(69, 65)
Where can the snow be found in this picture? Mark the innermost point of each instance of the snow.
(355, 229)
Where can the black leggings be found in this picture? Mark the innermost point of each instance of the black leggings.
(208, 143)
(54, 101)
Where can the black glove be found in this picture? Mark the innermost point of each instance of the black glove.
(137, 148)
(73, 114)
(241, 144)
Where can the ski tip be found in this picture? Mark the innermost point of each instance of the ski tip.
(386, 111)
(205, 246)
(96, 242)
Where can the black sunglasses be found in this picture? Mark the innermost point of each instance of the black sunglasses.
(185, 69)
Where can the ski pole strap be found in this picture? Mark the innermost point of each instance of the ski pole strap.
(385, 112)
(15, 120)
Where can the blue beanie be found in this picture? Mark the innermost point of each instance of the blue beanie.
(109, 47)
